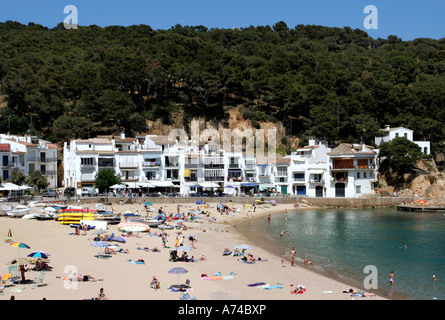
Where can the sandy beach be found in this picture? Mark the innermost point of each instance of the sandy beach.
(123, 280)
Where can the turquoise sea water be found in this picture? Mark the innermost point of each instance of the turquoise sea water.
(342, 242)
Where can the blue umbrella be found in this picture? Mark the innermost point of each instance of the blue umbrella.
(100, 244)
(199, 202)
(38, 254)
(118, 239)
(148, 203)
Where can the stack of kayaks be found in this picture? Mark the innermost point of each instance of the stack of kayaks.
(73, 216)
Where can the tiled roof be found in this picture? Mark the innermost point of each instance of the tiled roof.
(350, 149)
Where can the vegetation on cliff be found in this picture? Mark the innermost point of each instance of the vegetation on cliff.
(332, 83)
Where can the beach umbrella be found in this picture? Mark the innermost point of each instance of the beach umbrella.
(199, 202)
(38, 254)
(41, 251)
(9, 234)
(100, 244)
(148, 203)
(184, 248)
(19, 245)
(178, 271)
(118, 239)
(100, 231)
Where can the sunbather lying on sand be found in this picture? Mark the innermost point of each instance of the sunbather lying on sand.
(359, 293)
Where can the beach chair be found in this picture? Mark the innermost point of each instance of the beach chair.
(39, 280)
(14, 271)
(4, 279)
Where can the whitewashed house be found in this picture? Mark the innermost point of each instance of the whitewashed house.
(28, 154)
(392, 133)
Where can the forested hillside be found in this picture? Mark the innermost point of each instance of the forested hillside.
(332, 83)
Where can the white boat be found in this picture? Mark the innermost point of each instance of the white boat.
(19, 211)
(154, 222)
(35, 204)
(44, 216)
(165, 226)
(29, 216)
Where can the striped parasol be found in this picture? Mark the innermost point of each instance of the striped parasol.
(19, 245)
(178, 271)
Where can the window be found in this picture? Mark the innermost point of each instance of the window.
(364, 175)
(358, 175)
(358, 189)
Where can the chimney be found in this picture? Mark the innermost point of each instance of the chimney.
(123, 135)
(387, 127)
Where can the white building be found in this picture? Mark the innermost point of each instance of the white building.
(159, 163)
(392, 133)
(352, 170)
(28, 154)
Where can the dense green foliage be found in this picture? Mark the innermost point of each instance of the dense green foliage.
(332, 83)
(399, 154)
(105, 179)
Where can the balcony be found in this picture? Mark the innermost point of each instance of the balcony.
(213, 178)
(128, 165)
(214, 166)
(151, 164)
(316, 181)
(234, 166)
(352, 167)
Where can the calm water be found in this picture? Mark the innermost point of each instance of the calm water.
(342, 242)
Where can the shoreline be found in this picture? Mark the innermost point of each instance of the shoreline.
(123, 280)
(270, 245)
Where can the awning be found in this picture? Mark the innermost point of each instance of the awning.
(267, 186)
(209, 184)
(251, 184)
(187, 173)
(162, 184)
(235, 170)
(145, 185)
(316, 171)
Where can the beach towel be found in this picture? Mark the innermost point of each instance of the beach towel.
(272, 287)
(140, 261)
(256, 284)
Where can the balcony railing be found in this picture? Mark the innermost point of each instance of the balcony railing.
(351, 167)
(128, 164)
(213, 178)
(214, 166)
(149, 164)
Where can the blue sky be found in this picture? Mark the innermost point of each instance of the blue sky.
(408, 19)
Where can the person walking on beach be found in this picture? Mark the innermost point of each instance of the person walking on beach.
(282, 259)
(292, 256)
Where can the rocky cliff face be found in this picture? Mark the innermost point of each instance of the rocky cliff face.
(234, 121)
(426, 181)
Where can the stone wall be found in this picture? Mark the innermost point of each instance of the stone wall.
(322, 202)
